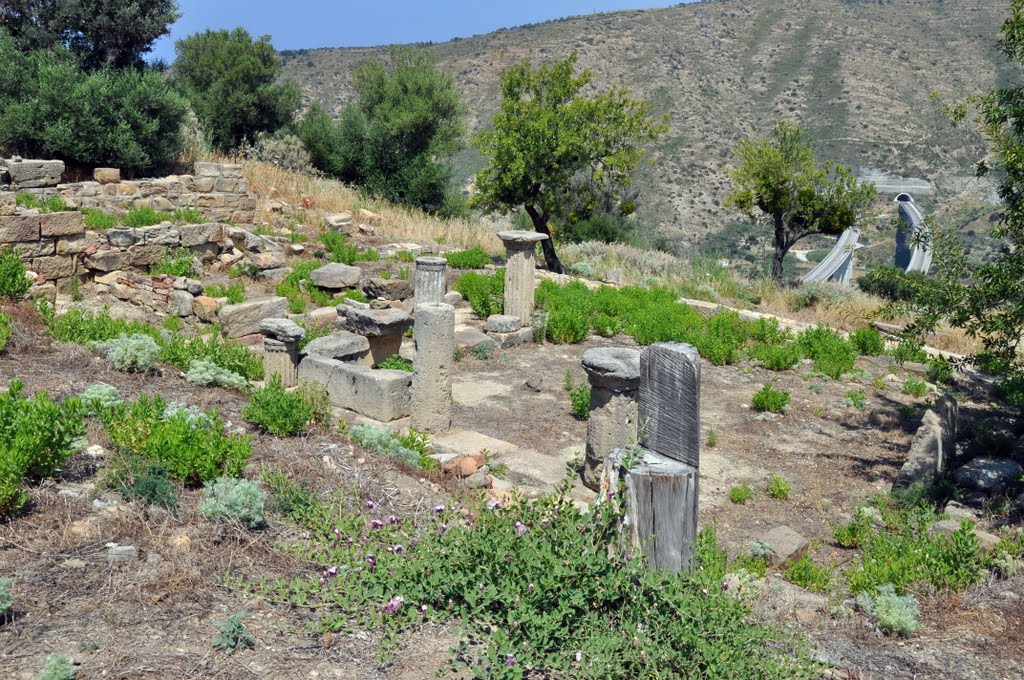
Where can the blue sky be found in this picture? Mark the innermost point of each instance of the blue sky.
(298, 24)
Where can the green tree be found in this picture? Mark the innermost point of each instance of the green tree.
(51, 107)
(230, 80)
(101, 33)
(987, 299)
(553, 146)
(778, 177)
(397, 139)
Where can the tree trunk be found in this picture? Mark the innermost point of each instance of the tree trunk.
(540, 223)
(782, 246)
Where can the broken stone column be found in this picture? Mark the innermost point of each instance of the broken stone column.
(281, 349)
(660, 475)
(431, 396)
(614, 375)
(520, 247)
(430, 279)
(383, 329)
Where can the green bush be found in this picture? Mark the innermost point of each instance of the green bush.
(57, 667)
(190, 450)
(893, 284)
(234, 292)
(175, 262)
(769, 332)
(579, 399)
(208, 374)
(99, 397)
(145, 217)
(339, 250)
(234, 500)
(777, 357)
(136, 353)
(232, 635)
(97, 219)
(138, 480)
(915, 387)
(6, 330)
(604, 615)
(855, 399)
(6, 595)
(300, 290)
(411, 449)
(910, 351)
(36, 438)
(940, 370)
(832, 355)
(396, 363)
(770, 400)
(277, 411)
(14, 284)
(50, 205)
(808, 575)
(868, 341)
(778, 487)
(485, 293)
(741, 494)
(895, 613)
(474, 258)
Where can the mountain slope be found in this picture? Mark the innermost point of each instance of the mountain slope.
(856, 74)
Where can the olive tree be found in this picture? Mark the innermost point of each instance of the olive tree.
(778, 178)
(554, 145)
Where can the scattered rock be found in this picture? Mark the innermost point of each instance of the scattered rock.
(502, 323)
(340, 222)
(205, 308)
(282, 329)
(74, 563)
(341, 345)
(471, 338)
(958, 511)
(536, 384)
(785, 546)
(244, 318)
(948, 527)
(121, 553)
(479, 479)
(989, 475)
(453, 298)
(463, 466)
(336, 276)
(389, 289)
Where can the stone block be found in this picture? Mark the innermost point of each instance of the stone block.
(122, 237)
(322, 316)
(203, 185)
(227, 185)
(336, 276)
(785, 546)
(376, 322)
(340, 222)
(126, 188)
(283, 330)
(244, 318)
(14, 228)
(379, 394)
(40, 248)
(205, 308)
(106, 175)
(79, 243)
(210, 201)
(142, 256)
(62, 223)
(388, 289)
(502, 323)
(670, 401)
(8, 204)
(160, 235)
(342, 346)
(471, 338)
(197, 234)
(264, 261)
(55, 267)
(180, 303)
(989, 475)
(29, 174)
(43, 291)
(107, 260)
(507, 340)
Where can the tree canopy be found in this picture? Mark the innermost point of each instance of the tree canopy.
(396, 140)
(101, 33)
(778, 177)
(229, 79)
(554, 149)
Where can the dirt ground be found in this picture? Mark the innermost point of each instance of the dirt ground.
(155, 617)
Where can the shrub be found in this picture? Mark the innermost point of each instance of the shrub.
(778, 487)
(909, 351)
(145, 217)
(771, 400)
(579, 400)
(740, 494)
(208, 374)
(855, 399)
(893, 284)
(915, 387)
(853, 533)
(868, 341)
(319, 400)
(776, 357)
(412, 450)
(895, 613)
(274, 410)
(712, 439)
(232, 635)
(832, 355)
(339, 250)
(14, 284)
(606, 326)
(283, 150)
(6, 330)
(485, 293)
(6, 594)
(190, 451)
(100, 396)
(940, 370)
(234, 500)
(176, 262)
(234, 292)
(136, 353)
(181, 351)
(769, 332)
(806, 574)
(97, 219)
(57, 667)
(138, 480)
(300, 290)
(474, 258)
(396, 363)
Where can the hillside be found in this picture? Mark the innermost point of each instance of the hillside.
(855, 74)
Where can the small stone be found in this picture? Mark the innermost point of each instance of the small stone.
(479, 480)
(121, 553)
(336, 276)
(535, 384)
(463, 466)
(453, 298)
(107, 175)
(502, 323)
(989, 475)
(340, 222)
(785, 546)
(75, 563)
(282, 329)
(958, 511)
(96, 451)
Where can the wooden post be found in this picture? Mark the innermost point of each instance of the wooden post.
(660, 476)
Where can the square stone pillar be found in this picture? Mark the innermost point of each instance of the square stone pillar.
(431, 395)
(520, 247)
(430, 279)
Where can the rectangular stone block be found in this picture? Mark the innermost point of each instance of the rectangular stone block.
(207, 170)
(62, 223)
(27, 174)
(141, 255)
(40, 248)
(199, 234)
(8, 204)
(225, 185)
(127, 189)
(54, 267)
(14, 228)
(107, 260)
(160, 235)
(379, 394)
(210, 201)
(77, 244)
(670, 401)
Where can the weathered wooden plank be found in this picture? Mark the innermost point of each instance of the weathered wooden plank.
(670, 401)
(661, 506)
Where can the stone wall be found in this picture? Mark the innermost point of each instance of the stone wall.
(218, 190)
